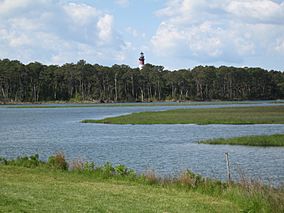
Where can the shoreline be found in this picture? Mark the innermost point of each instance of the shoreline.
(136, 102)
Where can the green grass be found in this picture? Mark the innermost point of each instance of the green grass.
(42, 190)
(35, 190)
(228, 115)
(262, 140)
(84, 187)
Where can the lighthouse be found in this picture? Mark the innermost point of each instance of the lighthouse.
(141, 61)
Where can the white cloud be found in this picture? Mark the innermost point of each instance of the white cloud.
(8, 6)
(132, 31)
(280, 46)
(221, 30)
(81, 13)
(51, 31)
(105, 27)
(265, 11)
(168, 37)
(123, 3)
(23, 23)
(135, 33)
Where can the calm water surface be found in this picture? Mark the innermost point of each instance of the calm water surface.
(167, 149)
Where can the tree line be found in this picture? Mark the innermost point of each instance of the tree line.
(82, 81)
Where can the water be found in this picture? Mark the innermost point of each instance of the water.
(167, 149)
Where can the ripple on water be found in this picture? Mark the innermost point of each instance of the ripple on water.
(168, 149)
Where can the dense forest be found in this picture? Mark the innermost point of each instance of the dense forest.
(36, 82)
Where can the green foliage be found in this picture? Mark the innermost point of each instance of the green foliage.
(30, 162)
(123, 170)
(89, 166)
(79, 82)
(3, 161)
(76, 99)
(107, 169)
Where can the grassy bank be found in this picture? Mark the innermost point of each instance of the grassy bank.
(29, 185)
(35, 190)
(229, 115)
(263, 140)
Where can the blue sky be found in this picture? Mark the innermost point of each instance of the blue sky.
(172, 33)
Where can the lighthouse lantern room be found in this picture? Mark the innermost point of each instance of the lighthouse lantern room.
(141, 61)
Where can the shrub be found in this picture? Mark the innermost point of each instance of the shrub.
(107, 169)
(58, 161)
(190, 179)
(30, 162)
(89, 166)
(3, 161)
(123, 171)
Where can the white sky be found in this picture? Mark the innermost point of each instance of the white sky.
(174, 33)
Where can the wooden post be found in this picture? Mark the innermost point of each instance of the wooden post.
(228, 166)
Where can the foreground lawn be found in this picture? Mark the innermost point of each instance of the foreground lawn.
(28, 184)
(228, 115)
(263, 140)
(41, 190)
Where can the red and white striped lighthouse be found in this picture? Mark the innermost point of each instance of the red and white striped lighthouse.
(141, 61)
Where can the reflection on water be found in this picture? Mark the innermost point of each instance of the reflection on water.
(168, 149)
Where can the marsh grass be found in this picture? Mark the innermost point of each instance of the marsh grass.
(151, 177)
(58, 161)
(263, 195)
(226, 115)
(119, 189)
(262, 140)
